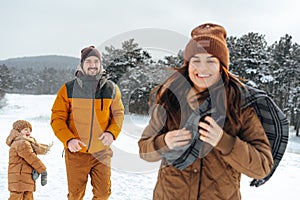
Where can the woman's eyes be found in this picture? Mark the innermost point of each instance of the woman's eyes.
(207, 61)
(210, 61)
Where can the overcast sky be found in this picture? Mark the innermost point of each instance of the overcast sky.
(64, 27)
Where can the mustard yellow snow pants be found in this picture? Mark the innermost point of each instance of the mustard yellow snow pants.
(81, 165)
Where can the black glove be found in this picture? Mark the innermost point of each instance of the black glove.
(257, 182)
(44, 178)
(35, 174)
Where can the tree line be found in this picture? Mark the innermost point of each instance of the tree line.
(274, 68)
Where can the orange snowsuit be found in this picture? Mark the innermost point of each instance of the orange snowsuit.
(22, 160)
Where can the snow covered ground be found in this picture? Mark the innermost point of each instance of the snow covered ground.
(132, 178)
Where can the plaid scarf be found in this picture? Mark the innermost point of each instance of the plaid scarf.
(272, 118)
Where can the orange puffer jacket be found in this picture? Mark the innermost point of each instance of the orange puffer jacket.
(22, 160)
(85, 108)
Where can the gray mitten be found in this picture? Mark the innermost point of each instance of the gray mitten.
(35, 174)
(44, 178)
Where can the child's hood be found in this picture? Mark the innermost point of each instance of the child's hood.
(12, 136)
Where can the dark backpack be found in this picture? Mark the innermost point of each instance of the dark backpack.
(275, 125)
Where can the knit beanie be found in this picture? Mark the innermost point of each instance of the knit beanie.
(208, 38)
(89, 51)
(19, 125)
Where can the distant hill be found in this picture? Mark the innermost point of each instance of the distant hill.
(50, 61)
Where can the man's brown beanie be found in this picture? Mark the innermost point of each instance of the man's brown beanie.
(89, 51)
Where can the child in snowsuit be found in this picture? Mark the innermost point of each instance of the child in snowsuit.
(24, 165)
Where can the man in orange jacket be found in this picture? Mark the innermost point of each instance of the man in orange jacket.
(87, 116)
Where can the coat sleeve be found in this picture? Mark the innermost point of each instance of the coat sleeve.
(117, 114)
(60, 115)
(152, 143)
(25, 151)
(250, 151)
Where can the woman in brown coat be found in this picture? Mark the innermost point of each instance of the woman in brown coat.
(233, 139)
(23, 161)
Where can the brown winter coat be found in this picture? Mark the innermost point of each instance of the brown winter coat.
(243, 149)
(22, 160)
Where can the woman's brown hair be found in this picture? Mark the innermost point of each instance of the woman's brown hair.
(173, 92)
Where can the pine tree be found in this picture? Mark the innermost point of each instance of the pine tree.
(249, 58)
(129, 68)
(173, 61)
(5, 79)
(281, 63)
(294, 92)
(119, 61)
(5, 82)
(234, 54)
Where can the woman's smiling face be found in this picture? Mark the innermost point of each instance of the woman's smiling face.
(204, 70)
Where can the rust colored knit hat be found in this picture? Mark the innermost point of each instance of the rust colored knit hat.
(89, 51)
(208, 38)
(19, 125)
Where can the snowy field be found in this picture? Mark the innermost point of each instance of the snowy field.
(132, 178)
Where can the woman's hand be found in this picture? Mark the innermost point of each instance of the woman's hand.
(210, 131)
(178, 138)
